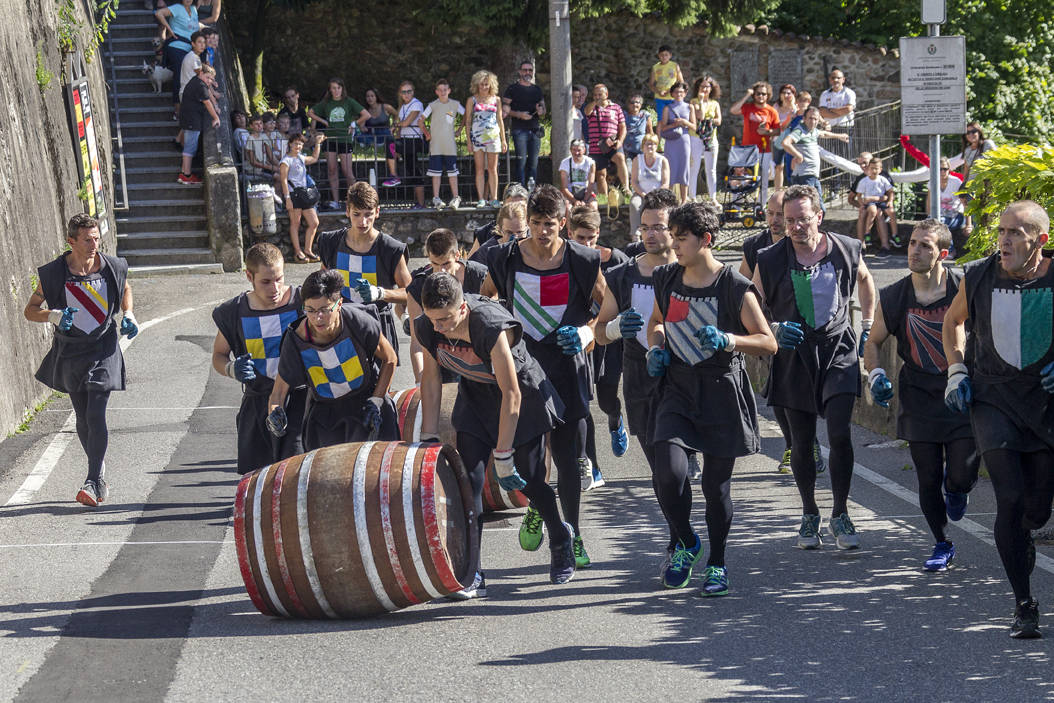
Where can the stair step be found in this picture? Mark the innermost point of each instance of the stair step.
(162, 257)
(137, 12)
(173, 270)
(157, 223)
(189, 239)
(150, 26)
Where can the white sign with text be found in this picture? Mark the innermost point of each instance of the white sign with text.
(932, 85)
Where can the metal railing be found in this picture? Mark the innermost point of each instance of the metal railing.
(116, 140)
(877, 130)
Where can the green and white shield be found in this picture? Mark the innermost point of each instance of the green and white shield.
(1021, 324)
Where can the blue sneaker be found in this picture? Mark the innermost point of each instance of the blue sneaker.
(679, 572)
(943, 553)
(715, 581)
(619, 439)
(562, 558)
(955, 504)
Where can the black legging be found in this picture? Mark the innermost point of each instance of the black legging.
(609, 403)
(90, 409)
(781, 420)
(475, 453)
(1024, 487)
(951, 467)
(649, 454)
(675, 495)
(838, 412)
(567, 443)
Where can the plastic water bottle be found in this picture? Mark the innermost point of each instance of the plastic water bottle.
(530, 184)
(373, 177)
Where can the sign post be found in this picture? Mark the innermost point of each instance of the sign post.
(933, 89)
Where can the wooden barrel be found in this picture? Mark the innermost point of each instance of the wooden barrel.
(356, 529)
(408, 411)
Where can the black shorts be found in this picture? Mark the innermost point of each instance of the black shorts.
(603, 160)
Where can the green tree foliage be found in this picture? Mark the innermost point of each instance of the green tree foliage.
(1009, 50)
(1005, 174)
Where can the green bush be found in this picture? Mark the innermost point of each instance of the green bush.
(1005, 174)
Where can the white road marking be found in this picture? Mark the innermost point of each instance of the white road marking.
(57, 447)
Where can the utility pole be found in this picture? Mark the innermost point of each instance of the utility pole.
(933, 13)
(560, 80)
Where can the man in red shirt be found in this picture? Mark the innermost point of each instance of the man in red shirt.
(606, 127)
(761, 123)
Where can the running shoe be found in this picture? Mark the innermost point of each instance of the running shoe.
(955, 505)
(332, 206)
(406, 324)
(437, 203)
(480, 204)
(679, 572)
(843, 531)
(943, 553)
(531, 530)
(666, 561)
(102, 490)
(715, 581)
(695, 472)
(784, 466)
(454, 203)
(590, 475)
(562, 558)
(581, 556)
(619, 439)
(1026, 621)
(809, 532)
(495, 204)
(188, 179)
(817, 455)
(476, 589)
(391, 182)
(88, 494)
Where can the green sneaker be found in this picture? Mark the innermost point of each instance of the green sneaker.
(531, 530)
(715, 581)
(581, 557)
(785, 463)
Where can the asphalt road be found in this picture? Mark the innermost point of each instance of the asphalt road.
(142, 599)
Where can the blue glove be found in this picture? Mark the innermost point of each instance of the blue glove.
(711, 339)
(277, 422)
(788, 334)
(1047, 374)
(504, 468)
(881, 388)
(630, 323)
(959, 393)
(371, 414)
(129, 326)
(658, 359)
(369, 292)
(572, 340)
(243, 369)
(864, 334)
(63, 319)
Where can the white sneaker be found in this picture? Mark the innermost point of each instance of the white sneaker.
(437, 203)
(480, 204)
(454, 203)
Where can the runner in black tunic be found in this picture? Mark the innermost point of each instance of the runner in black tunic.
(1004, 376)
(505, 405)
(940, 440)
(441, 247)
(337, 351)
(250, 328)
(372, 264)
(494, 233)
(549, 285)
(627, 307)
(606, 361)
(751, 246)
(706, 317)
(806, 281)
(81, 293)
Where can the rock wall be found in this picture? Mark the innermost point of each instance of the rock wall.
(38, 182)
(307, 47)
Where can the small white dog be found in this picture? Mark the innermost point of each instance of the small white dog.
(158, 74)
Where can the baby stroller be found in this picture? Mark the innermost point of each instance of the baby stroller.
(741, 183)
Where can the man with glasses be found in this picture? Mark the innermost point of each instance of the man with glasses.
(524, 103)
(761, 124)
(806, 280)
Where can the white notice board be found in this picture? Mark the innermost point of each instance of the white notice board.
(932, 85)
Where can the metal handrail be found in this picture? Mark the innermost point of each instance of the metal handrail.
(115, 130)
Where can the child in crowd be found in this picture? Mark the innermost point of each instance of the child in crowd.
(802, 146)
(442, 114)
(409, 141)
(300, 193)
(875, 195)
(486, 134)
(578, 174)
(663, 75)
(257, 165)
(803, 100)
(280, 138)
(239, 120)
(212, 43)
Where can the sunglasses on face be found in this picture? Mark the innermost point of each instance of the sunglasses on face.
(972, 131)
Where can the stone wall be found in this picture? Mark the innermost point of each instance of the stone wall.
(307, 47)
(38, 183)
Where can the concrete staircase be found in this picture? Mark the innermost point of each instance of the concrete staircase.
(165, 226)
